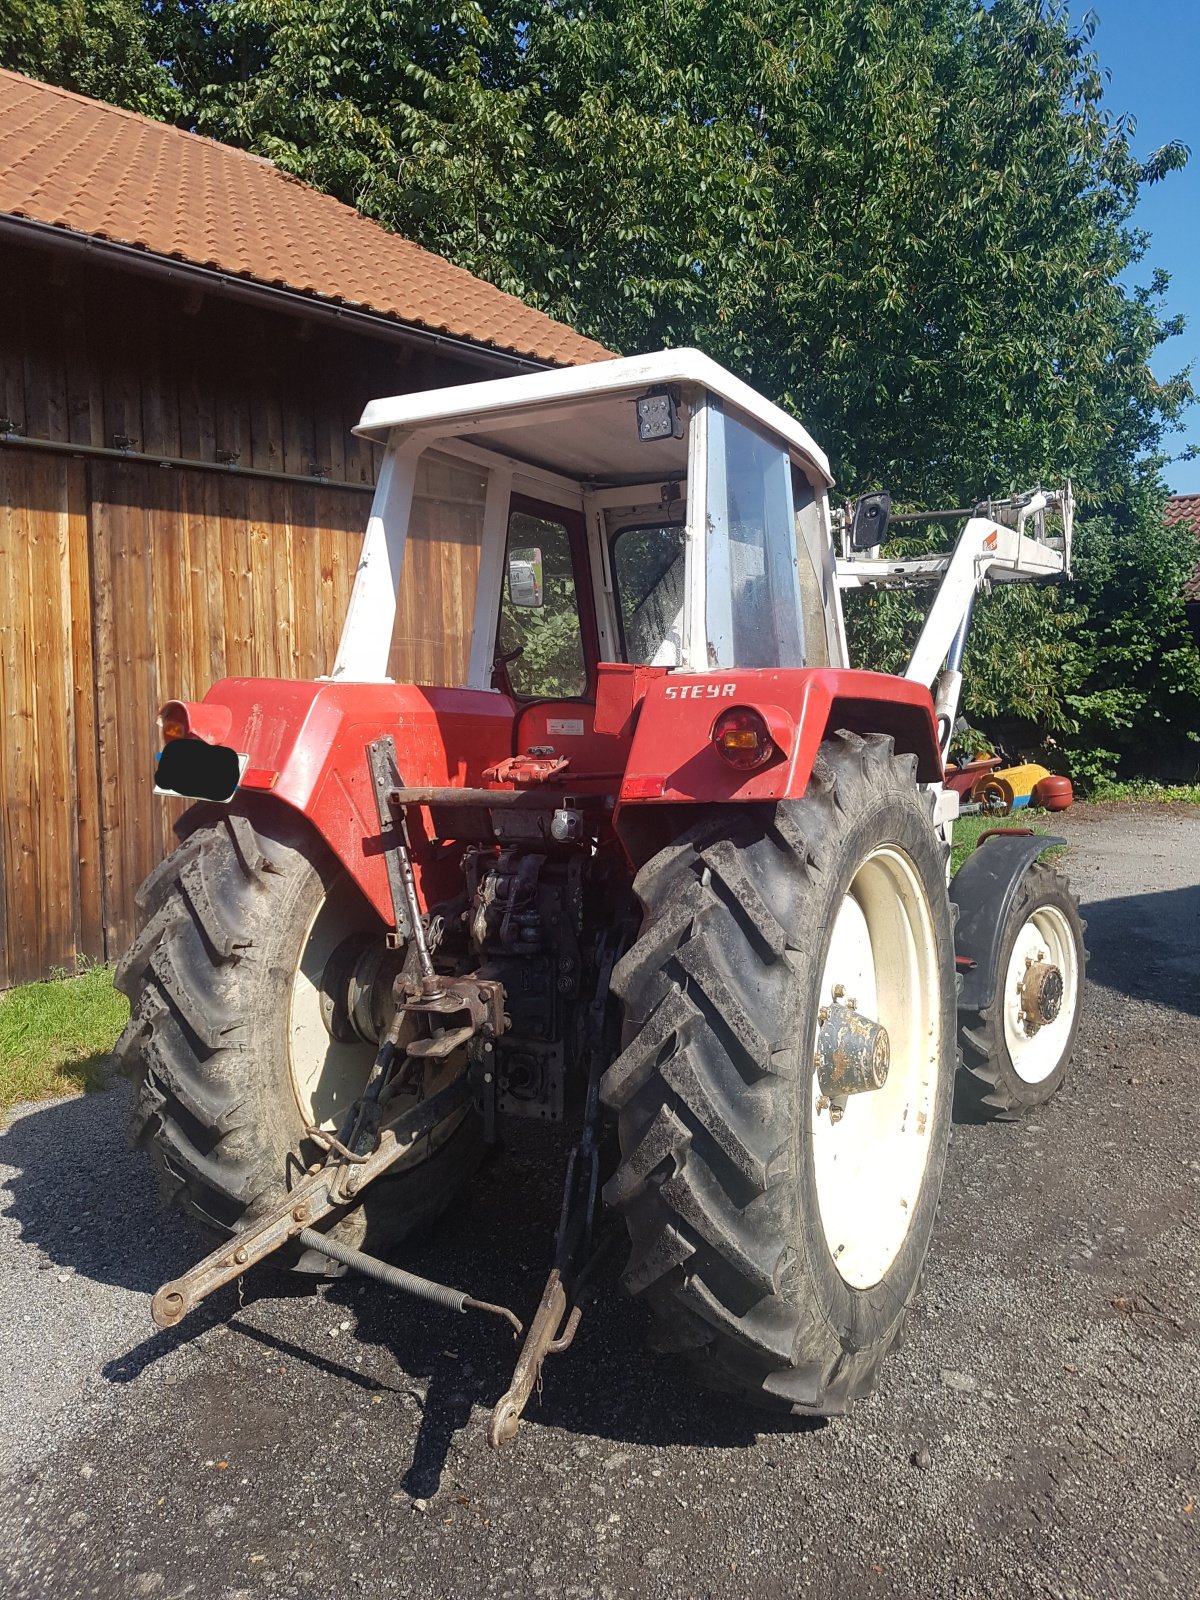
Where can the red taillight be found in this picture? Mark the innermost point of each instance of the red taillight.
(743, 739)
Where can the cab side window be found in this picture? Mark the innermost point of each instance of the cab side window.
(540, 640)
(814, 601)
(648, 566)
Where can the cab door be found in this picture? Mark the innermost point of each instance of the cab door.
(546, 640)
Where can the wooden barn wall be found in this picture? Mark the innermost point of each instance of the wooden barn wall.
(435, 611)
(123, 583)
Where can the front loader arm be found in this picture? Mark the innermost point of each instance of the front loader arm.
(987, 551)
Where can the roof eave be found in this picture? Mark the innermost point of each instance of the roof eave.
(137, 258)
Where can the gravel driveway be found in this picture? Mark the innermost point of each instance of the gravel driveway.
(1039, 1432)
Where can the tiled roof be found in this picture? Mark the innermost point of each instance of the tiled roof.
(1183, 511)
(1184, 508)
(97, 170)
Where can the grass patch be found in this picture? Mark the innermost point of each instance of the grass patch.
(55, 1036)
(1143, 789)
(968, 829)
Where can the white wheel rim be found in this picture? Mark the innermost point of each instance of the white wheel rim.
(326, 1075)
(1044, 936)
(870, 1165)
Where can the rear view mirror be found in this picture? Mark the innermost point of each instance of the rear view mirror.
(525, 578)
(871, 513)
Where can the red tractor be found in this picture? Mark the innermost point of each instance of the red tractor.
(651, 858)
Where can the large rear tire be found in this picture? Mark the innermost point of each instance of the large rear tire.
(226, 1048)
(779, 1250)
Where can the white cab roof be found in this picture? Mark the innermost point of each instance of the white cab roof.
(469, 408)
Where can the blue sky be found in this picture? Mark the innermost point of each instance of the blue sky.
(1151, 48)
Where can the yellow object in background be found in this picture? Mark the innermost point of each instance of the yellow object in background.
(1009, 788)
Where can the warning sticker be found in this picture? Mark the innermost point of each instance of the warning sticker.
(570, 726)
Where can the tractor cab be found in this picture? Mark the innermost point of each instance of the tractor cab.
(652, 511)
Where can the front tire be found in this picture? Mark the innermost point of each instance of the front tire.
(1013, 1061)
(778, 1250)
(225, 1045)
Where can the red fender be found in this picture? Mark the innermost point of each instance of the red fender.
(674, 761)
(306, 746)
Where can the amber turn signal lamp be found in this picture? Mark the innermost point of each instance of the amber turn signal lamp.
(742, 739)
(192, 719)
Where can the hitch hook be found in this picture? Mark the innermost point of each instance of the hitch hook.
(541, 1340)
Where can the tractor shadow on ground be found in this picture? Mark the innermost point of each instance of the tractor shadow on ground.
(86, 1202)
(1147, 946)
(83, 1199)
(496, 1244)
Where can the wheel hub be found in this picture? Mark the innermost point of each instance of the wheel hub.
(356, 989)
(853, 1054)
(1041, 995)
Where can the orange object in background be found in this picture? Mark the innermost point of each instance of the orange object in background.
(993, 794)
(1054, 794)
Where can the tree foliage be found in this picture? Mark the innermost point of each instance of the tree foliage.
(101, 48)
(910, 221)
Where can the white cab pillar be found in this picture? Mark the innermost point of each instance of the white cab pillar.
(371, 616)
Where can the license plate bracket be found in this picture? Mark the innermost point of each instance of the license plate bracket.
(191, 769)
